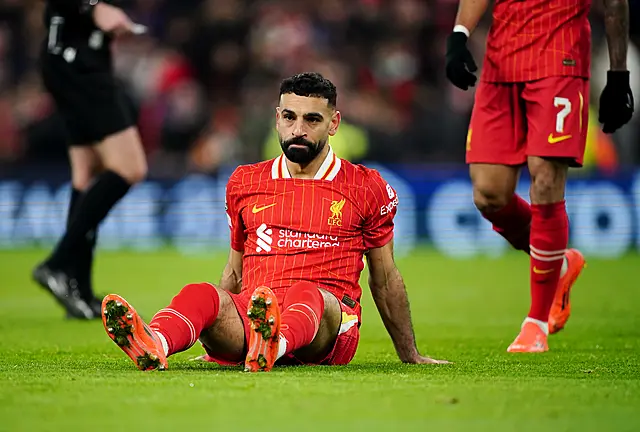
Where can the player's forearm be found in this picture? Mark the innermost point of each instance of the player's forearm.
(391, 300)
(230, 280)
(616, 23)
(470, 12)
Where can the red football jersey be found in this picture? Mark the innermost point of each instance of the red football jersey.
(313, 230)
(533, 39)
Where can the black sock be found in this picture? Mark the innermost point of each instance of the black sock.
(80, 268)
(84, 265)
(90, 210)
(76, 194)
(73, 203)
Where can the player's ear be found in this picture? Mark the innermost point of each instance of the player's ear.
(277, 114)
(336, 118)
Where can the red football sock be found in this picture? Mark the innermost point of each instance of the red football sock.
(302, 309)
(549, 239)
(513, 222)
(194, 309)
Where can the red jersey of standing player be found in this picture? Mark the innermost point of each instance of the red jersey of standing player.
(292, 230)
(535, 39)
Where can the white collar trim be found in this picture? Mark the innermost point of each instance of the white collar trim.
(328, 170)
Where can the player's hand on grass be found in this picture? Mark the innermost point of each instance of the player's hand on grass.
(459, 62)
(616, 102)
(420, 359)
(113, 20)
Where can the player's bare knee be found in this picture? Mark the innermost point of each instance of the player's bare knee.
(548, 179)
(490, 199)
(123, 153)
(330, 320)
(132, 172)
(545, 189)
(82, 176)
(493, 186)
(226, 303)
(331, 317)
(81, 180)
(136, 173)
(84, 167)
(225, 338)
(331, 303)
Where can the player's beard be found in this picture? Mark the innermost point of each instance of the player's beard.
(305, 152)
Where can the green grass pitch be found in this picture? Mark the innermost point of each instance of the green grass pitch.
(65, 375)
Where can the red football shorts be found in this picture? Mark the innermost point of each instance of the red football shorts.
(343, 350)
(546, 118)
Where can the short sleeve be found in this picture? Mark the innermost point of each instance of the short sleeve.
(382, 205)
(232, 208)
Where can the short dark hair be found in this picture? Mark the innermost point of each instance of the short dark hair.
(310, 84)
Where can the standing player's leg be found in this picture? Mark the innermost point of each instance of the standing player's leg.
(557, 110)
(574, 262)
(61, 81)
(198, 310)
(495, 152)
(123, 159)
(84, 257)
(85, 166)
(96, 112)
(306, 325)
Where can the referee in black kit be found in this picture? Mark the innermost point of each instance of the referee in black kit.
(105, 151)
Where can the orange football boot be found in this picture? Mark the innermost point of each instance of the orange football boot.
(264, 314)
(125, 327)
(561, 308)
(530, 340)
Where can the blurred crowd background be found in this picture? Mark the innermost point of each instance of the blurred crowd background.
(205, 81)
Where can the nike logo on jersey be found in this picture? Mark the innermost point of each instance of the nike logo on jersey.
(553, 140)
(256, 209)
(536, 270)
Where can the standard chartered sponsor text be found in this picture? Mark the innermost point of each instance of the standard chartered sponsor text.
(294, 239)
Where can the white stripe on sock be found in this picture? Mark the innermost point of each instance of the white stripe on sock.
(163, 341)
(543, 252)
(543, 325)
(565, 267)
(282, 346)
(546, 258)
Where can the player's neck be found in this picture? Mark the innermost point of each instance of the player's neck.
(309, 170)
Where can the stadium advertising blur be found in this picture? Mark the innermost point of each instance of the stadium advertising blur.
(435, 208)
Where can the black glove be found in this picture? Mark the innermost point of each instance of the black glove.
(460, 64)
(616, 102)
